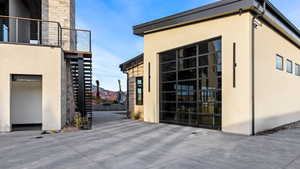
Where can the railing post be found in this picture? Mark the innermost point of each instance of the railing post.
(38, 32)
(17, 30)
(61, 39)
(90, 42)
(58, 34)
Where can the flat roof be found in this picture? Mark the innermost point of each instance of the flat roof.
(217, 9)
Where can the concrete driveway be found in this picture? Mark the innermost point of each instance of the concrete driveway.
(126, 144)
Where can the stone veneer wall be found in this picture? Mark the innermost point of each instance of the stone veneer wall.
(62, 11)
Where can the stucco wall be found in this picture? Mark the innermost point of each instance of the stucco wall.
(276, 92)
(236, 102)
(136, 111)
(34, 60)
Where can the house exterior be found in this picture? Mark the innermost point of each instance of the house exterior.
(232, 65)
(45, 70)
(134, 69)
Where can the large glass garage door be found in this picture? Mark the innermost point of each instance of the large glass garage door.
(190, 85)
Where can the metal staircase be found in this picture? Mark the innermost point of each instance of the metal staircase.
(81, 70)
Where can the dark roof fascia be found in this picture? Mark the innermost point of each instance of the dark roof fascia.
(211, 11)
(275, 12)
(132, 62)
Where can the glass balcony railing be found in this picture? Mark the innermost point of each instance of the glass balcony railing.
(76, 39)
(45, 33)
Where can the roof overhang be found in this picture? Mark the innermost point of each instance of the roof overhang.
(219, 9)
(138, 60)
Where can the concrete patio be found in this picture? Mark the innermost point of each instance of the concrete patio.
(126, 144)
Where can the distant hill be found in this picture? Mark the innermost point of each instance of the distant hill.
(108, 95)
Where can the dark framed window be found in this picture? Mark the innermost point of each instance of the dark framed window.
(279, 62)
(297, 69)
(289, 66)
(191, 85)
(139, 90)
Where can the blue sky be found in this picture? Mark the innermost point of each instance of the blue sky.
(111, 23)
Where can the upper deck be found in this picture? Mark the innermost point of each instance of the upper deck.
(28, 31)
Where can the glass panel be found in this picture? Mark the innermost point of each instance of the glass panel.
(139, 95)
(169, 76)
(187, 96)
(203, 48)
(139, 91)
(203, 72)
(188, 52)
(218, 123)
(218, 58)
(187, 74)
(168, 56)
(183, 117)
(219, 83)
(203, 60)
(279, 62)
(186, 107)
(289, 66)
(169, 116)
(203, 83)
(169, 96)
(218, 109)
(206, 120)
(297, 70)
(189, 85)
(168, 67)
(169, 86)
(187, 63)
(168, 106)
(219, 95)
(139, 82)
(207, 96)
(214, 46)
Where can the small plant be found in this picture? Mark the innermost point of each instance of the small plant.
(136, 115)
(78, 121)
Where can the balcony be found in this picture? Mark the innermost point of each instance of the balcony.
(17, 30)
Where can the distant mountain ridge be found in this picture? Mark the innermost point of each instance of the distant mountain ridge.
(107, 94)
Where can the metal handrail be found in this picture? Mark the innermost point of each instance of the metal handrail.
(29, 19)
(51, 31)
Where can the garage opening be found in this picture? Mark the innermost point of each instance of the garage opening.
(26, 102)
(191, 84)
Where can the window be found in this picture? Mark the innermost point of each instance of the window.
(279, 62)
(139, 91)
(297, 69)
(191, 85)
(289, 66)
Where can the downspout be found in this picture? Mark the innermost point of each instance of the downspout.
(254, 26)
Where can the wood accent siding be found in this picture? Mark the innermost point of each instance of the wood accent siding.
(136, 111)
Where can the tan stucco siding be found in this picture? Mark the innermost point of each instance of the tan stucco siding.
(236, 104)
(33, 60)
(276, 92)
(136, 111)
